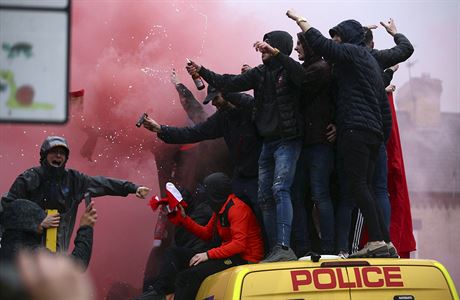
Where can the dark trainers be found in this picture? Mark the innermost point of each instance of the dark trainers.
(280, 254)
(392, 250)
(372, 249)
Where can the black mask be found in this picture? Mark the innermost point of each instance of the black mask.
(218, 187)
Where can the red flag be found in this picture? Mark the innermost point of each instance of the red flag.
(401, 232)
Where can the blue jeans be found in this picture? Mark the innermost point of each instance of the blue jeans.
(314, 170)
(277, 164)
(379, 184)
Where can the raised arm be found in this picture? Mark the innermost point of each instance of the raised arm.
(323, 46)
(399, 53)
(189, 103)
(84, 239)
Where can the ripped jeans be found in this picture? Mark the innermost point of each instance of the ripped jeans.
(277, 164)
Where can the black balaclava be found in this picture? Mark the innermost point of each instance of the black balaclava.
(218, 187)
(48, 143)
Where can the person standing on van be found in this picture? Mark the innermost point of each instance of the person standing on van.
(361, 105)
(276, 114)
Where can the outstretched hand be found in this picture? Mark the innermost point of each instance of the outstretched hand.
(173, 78)
(151, 124)
(142, 192)
(192, 67)
(390, 27)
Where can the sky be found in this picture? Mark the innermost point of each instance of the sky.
(122, 53)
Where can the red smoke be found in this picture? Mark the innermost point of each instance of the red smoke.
(122, 54)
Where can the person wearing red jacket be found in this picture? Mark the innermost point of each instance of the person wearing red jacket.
(236, 226)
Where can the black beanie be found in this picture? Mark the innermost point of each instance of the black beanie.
(218, 187)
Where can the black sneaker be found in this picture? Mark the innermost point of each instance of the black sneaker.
(392, 250)
(372, 250)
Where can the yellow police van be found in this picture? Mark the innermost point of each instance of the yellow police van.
(341, 279)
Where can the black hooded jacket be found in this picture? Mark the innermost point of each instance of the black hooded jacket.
(361, 101)
(276, 110)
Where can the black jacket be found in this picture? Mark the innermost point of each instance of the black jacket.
(35, 185)
(276, 112)
(235, 126)
(316, 101)
(361, 101)
(399, 53)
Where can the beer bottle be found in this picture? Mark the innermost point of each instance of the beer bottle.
(197, 78)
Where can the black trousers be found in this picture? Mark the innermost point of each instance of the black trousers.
(177, 277)
(358, 152)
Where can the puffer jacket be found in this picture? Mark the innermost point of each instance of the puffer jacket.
(361, 101)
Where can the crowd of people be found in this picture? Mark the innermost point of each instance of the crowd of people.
(306, 150)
